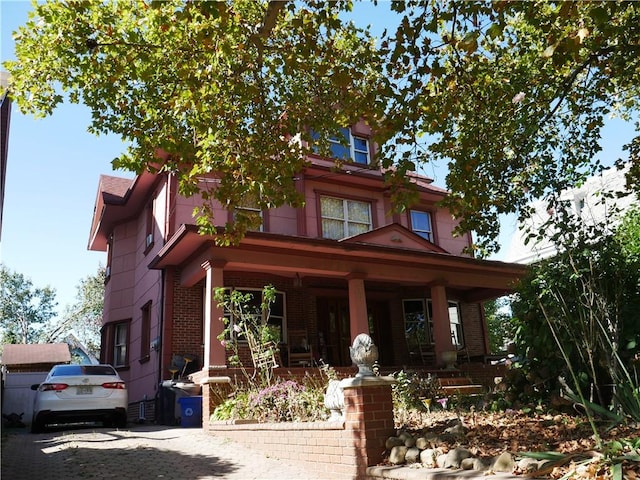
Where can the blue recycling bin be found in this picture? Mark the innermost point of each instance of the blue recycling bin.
(191, 411)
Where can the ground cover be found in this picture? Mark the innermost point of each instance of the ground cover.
(489, 434)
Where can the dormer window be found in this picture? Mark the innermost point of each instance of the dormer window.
(349, 147)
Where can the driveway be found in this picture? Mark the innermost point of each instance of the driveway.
(141, 452)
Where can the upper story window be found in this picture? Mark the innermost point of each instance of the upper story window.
(149, 224)
(344, 218)
(250, 208)
(421, 224)
(107, 269)
(347, 146)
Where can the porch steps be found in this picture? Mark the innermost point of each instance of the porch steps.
(460, 386)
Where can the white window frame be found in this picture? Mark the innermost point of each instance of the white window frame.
(353, 150)
(426, 234)
(345, 219)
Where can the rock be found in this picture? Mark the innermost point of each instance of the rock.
(428, 457)
(398, 455)
(467, 463)
(528, 465)
(408, 439)
(503, 463)
(455, 457)
(412, 455)
(481, 464)
(456, 430)
(440, 460)
(423, 443)
(393, 442)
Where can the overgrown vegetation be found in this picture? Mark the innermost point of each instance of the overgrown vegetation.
(258, 395)
(577, 322)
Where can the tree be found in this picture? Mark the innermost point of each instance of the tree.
(24, 308)
(513, 95)
(500, 328)
(84, 317)
(577, 315)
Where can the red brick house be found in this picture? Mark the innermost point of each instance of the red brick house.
(342, 264)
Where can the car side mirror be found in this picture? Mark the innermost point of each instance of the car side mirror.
(35, 386)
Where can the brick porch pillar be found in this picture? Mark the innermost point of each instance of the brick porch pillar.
(215, 390)
(368, 414)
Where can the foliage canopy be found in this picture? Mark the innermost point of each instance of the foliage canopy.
(512, 95)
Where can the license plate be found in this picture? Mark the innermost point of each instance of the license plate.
(84, 390)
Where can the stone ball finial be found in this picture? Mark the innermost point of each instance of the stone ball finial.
(364, 354)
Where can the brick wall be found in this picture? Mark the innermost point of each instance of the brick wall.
(341, 449)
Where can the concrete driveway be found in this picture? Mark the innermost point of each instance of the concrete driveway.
(141, 452)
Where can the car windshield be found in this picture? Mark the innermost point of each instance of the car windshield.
(61, 370)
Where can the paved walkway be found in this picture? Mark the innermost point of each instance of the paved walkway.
(142, 452)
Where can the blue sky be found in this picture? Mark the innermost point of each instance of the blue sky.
(52, 178)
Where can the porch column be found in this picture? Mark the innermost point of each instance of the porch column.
(358, 320)
(214, 351)
(441, 327)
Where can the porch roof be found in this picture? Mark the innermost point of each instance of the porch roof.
(392, 254)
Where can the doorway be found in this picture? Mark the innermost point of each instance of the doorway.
(335, 330)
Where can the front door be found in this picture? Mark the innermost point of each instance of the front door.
(333, 322)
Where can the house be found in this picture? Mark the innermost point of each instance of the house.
(342, 264)
(594, 202)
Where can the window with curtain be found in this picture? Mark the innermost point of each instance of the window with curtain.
(343, 218)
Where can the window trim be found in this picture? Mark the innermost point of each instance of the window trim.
(149, 235)
(108, 343)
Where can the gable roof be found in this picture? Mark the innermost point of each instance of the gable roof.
(35, 353)
(397, 236)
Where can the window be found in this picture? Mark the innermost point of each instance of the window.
(148, 238)
(107, 269)
(344, 218)
(456, 325)
(418, 323)
(250, 209)
(421, 224)
(275, 317)
(121, 333)
(347, 146)
(115, 338)
(145, 332)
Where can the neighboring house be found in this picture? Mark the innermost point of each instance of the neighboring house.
(589, 202)
(24, 365)
(342, 264)
(5, 117)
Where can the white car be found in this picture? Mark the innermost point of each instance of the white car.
(80, 393)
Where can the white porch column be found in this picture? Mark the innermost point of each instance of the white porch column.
(214, 353)
(441, 327)
(358, 319)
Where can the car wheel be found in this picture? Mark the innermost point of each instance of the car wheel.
(37, 426)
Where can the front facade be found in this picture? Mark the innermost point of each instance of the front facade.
(342, 264)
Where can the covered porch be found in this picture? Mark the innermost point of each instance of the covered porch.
(390, 283)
